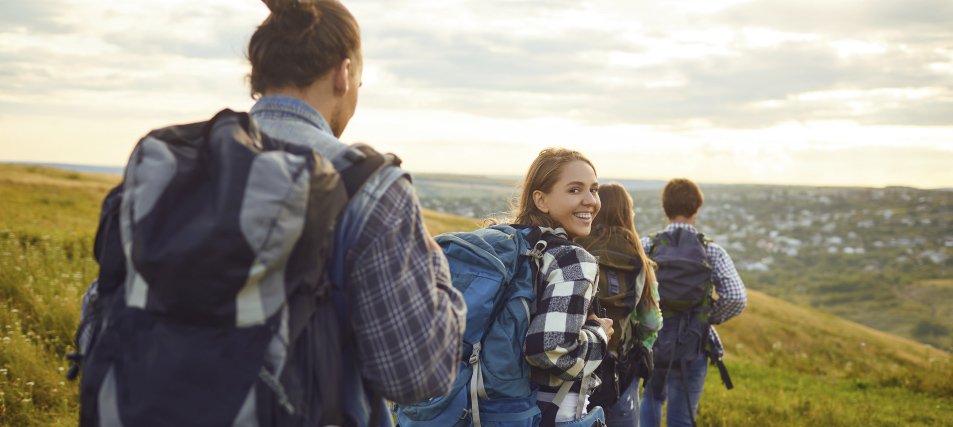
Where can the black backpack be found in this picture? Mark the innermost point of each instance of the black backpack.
(213, 305)
(685, 296)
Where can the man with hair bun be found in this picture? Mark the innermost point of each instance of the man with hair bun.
(403, 316)
(690, 268)
(256, 271)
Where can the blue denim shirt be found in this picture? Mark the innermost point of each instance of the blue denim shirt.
(291, 119)
(402, 311)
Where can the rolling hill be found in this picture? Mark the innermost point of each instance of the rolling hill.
(792, 365)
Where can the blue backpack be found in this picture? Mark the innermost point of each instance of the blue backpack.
(495, 269)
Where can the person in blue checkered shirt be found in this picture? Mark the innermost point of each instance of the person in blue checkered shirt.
(681, 201)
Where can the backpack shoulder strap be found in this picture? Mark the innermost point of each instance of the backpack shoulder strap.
(704, 240)
(545, 239)
(358, 162)
(535, 247)
(356, 165)
(655, 238)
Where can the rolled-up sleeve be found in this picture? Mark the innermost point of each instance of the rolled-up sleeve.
(732, 296)
(647, 317)
(406, 317)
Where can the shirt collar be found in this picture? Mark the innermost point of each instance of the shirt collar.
(558, 231)
(681, 225)
(292, 106)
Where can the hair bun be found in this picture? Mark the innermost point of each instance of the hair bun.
(276, 5)
(303, 15)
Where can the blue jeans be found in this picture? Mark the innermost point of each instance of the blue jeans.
(587, 420)
(625, 412)
(650, 414)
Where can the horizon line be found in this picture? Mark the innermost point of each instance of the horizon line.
(117, 170)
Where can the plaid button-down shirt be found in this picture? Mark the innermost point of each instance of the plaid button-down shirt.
(732, 297)
(403, 314)
(561, 345)
(406, 316)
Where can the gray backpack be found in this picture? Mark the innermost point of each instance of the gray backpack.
(214, 304)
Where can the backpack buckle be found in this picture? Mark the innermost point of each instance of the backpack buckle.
(475, 354)
(538, 249)
(354, 155)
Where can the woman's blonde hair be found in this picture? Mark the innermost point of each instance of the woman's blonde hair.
(542, 176)
(617, 215)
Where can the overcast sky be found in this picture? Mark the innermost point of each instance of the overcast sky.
(812, 92)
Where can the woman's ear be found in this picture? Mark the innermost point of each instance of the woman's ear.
(539, 199)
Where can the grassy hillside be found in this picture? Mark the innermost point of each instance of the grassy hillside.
(47, 221)
(797, 366)
(791, 365)
(439, 222)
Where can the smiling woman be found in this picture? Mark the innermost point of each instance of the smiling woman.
(573, 200)
(565, 343)
(562, 171)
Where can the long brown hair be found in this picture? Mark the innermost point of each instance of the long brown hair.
(618, 215)
(542, 176)
(300, 42)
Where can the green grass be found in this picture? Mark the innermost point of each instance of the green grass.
(791, 365)
(439, 222)
(774, 396)
(47, 223)
(774, 333)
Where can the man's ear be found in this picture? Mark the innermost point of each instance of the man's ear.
(342, 77)
(539, 199)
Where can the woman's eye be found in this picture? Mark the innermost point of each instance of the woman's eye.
(594, 190)
(573, 190)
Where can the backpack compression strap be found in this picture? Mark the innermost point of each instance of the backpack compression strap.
(716, 356)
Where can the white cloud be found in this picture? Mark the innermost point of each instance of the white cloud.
(847, 48)
(764, 89)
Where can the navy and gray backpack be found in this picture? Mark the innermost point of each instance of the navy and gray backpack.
(495, 269)
(214, 306)
(685, 296)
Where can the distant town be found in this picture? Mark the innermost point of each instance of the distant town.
(879, 256)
